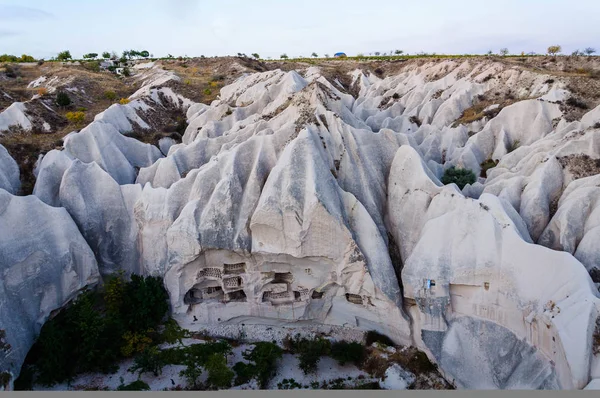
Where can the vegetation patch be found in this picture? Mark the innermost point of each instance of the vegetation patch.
(309, 351)
(264, 357)
(486, 165)
(460, 177)
(580, 166)
(89, 335)
(137, 385)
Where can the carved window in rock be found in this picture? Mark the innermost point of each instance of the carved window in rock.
(266, 296)
(211, 273)
(301, 294)
(354, 298)
(317, 295)
(233, 269)
(237, 296)
(308, 271)
(232, 283)
(283, 277)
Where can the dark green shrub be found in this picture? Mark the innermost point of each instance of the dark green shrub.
(376, 337)
(144, 303)
(137, 385)
(460, 177)
(244, 373)
(88, 336)
(173, 333)
(149, 361)
(126, 72)
(345, 352)
(309, 351)
(265, 356)
(63, 99)
(219, 375)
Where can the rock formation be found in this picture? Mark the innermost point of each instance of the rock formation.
(296, 198)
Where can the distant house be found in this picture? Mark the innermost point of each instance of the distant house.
(106, 64)
(340, 55)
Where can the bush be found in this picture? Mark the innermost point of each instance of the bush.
(144, 303)
(207, 91)
(309, 351)
(89, 335)
(42, 91)
(135, 342)
(219, 375)
(577, 103)
(137, 385)
(110, 95)
(75, 117)
(149, 361)
(173, 333)
(126, 72)
(460, 177)
(63, 99)
(345, 352)
(93, 66)
(265, 356)
(124, 101)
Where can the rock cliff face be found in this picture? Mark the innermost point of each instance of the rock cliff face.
(294, 198)
(44, 263)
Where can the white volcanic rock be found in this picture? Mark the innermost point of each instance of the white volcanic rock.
(116, 154)
(289, 200)
(44, 263)
(397, 378)
(50, 172)
(99, 207)
(576, 226)
(486, 276)
(15, 117)
(9, 172)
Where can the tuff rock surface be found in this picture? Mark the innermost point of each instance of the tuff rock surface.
(292, 199)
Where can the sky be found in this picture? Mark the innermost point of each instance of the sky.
(42, 28)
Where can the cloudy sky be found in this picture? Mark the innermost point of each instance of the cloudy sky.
(42, 28)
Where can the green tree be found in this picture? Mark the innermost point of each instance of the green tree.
(149, 361)
(191, 374)
(504, 52)
(265, 356)
(398, 52)
(219, 374)
(63, 99)
(64, 55)
(553, 50)
(255, 55)
(144, 54)
(144, 303)
(106, 55)
(27, 58)
(315, 55)
(283, 56)
(90, 56)
(589, 50)
(460, 177)
(345, 352)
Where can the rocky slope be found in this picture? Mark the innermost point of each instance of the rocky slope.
(312, 197)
